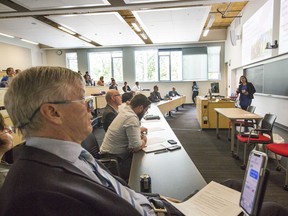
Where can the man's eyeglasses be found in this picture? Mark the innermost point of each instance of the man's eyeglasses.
(88, 102)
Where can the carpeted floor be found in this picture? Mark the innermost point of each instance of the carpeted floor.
(212, 156)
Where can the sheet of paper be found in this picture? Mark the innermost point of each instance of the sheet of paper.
(212, 200)
(154, 129)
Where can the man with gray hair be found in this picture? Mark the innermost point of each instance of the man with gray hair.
(53, 174)
(114, 100)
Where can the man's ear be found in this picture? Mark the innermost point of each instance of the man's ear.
(50, 113)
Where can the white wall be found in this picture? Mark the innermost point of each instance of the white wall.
(233, 57)
(18, 54)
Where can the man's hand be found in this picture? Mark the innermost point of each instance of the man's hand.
(143, 130)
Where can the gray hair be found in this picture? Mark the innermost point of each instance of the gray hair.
(33, 87)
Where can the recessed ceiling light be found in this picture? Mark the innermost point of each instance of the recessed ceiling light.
(6, 35)
(66, 30)
(28, 41)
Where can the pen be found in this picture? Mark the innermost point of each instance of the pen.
(162, 151)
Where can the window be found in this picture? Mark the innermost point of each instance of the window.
(146, 65)
(214, 63)
(71, 61)
(107, 64)
(179, 64)
(195, 63)
(170, 65)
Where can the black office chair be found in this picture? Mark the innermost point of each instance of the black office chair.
(251, 138)
(92, 146)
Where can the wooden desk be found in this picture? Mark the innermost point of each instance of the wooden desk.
(233, 114)
(173, 173)
(168, 105)
(206, 114)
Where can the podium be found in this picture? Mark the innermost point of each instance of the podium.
(206, 115)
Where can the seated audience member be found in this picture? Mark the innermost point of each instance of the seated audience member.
(137, 87)
(87, 79)
(126, 99)
(100, 82)
(54, 174)
(173, 93)
(7, 79)
(6, 143)
(123, 137)
(155, 95)
(126, 88)
(113, 99)
(113, 84)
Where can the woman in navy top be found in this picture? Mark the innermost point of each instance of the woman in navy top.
(246, 90)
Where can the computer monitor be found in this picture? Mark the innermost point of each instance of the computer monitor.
(215, 88)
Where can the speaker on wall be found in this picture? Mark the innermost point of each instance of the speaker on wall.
(233, 37)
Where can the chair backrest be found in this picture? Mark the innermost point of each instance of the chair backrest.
(268, 123)
(251, 109)
(91, 145)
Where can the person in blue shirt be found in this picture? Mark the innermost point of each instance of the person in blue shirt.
(6, 79)
(195, 91)
(173, 93)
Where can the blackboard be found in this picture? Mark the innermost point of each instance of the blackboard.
(270, 78)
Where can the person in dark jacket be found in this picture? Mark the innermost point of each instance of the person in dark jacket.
(53, 174)
(246, 91)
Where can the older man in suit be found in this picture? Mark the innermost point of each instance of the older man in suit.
(54, 175)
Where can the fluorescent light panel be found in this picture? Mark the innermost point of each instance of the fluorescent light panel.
(85, 39)
(205, 32)
(136, 27)
(144, 36)
(29, 41)
(6, 35)
(66, 30)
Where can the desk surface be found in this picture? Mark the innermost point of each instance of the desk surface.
(237, 113)
(173, 173)
(168, 105)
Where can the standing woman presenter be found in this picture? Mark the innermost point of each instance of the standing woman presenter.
(246, 91)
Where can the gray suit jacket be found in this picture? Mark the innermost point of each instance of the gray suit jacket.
(40, 183)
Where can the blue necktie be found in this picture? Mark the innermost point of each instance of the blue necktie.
(109, 181)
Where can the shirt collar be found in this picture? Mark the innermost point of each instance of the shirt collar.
(67, 150)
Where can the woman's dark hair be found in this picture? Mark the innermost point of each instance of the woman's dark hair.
(245, 79)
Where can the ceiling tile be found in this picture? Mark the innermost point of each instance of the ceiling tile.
(4, 8)
(36, 31)
(52, 4)
(173, 25)
(103, 28)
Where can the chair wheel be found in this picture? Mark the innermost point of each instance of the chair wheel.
(278, 168)
(243, 167)
(285, 187)
(236, 157)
